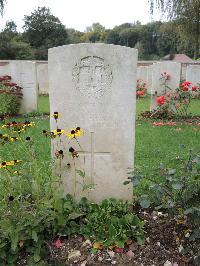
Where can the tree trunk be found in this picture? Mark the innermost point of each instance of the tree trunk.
(197, 36)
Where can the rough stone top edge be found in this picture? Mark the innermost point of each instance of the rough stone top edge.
(10, 61)
(90, 44)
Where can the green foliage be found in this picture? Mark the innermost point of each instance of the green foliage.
(111, 223)
(187, 14)
(175, 190)
(2, 3)
(43, 30)
(9, 103)
(12, 45)
(35, 211)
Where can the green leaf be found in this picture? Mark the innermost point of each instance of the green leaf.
(36, 257)
(81, 173)
(135, 182)
(94, 250)
(197, 160)
(34, 236)
(89, 186)
(140, 240)
(120, 244)
(171, 171)
(74, 215)
(177, 186)
(145, 203)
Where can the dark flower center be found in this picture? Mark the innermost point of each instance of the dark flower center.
(11, 198)
(71, 149)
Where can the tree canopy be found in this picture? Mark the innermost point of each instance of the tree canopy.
(187, 15)
(2, 3)
(43, 30)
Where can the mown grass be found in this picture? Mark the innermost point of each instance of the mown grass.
(43, 104)
(154, 145)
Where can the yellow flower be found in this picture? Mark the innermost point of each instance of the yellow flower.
(16, 161)
(3, 165)
(12, 139)
(56, 115)
(28, 124)
(75, 132)
(58, 132)
(9, 163)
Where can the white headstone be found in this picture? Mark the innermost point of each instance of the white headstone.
(24, 74)
(142, 73)
(193, 74)
(149, 80)
(42, 78)
(93, 87)
(4, 68)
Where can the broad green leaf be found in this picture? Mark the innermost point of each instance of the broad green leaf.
(145, 203)
(34, 236)
(177, 186)
(171, 171)
(74, 215)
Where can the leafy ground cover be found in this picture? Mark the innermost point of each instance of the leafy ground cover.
(157, 143)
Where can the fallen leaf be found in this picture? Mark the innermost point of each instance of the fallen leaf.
(168, 263)
(74, 254)
(130, 254)
(119, 250)
(98, 245)
(58, 243)
(111, 253)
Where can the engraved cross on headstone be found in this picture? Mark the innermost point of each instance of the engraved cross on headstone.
(92, 154)
(91, 73)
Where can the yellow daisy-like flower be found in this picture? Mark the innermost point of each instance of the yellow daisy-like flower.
(16, 161)
(3, 165)
(9, 163)
(28, 124)
(12, 139)
(56, 115)
(58, 132)
(19, 130)
(75, 132)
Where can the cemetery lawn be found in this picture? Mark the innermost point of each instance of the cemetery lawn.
(153, 144)
(43, 104)
(142, 105)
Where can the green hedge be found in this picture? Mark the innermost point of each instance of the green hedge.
(10, 100)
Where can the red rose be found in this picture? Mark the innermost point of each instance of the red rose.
(194, 88)
(160, 100)
(140, 93)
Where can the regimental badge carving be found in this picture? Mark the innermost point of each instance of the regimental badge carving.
(92, 76)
